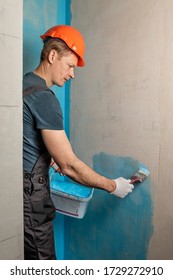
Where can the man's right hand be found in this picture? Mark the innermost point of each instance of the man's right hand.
(123, 187)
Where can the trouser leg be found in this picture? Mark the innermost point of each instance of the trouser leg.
(39, 243)
(39, 212)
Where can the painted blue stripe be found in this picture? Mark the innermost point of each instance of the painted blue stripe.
(63, 95)
(38, 16)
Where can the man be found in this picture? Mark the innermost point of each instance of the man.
(44, 138)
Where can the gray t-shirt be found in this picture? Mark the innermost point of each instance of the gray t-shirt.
(41, 110)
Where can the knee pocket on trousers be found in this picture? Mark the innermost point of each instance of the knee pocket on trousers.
(43, 209)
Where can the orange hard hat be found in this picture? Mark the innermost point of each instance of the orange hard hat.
(71, 36)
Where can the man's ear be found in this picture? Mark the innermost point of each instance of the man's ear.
(52, 56)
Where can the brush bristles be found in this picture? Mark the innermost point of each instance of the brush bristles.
(144, 171)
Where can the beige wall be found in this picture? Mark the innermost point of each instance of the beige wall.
(11, 224)
(122, 101)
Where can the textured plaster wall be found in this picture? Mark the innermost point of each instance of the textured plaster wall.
(11, 177)
(121, 116)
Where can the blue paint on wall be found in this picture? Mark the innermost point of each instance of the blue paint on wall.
(63, 94)
(39, 16)
(113, 228)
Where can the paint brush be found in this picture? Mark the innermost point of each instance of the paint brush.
(140, 175)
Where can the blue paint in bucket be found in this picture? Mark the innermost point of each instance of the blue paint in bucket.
(70, 187)
(70, 198)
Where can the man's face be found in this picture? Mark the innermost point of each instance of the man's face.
(63, 69)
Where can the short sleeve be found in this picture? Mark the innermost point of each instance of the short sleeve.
(47, 112)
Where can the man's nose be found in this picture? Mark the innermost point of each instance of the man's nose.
(71, 74)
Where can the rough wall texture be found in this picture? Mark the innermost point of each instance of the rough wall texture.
(11, 182)
(121, 108)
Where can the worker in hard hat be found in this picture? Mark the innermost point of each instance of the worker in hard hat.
(44, 138)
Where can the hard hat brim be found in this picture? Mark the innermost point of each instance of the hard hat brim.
(81, 62)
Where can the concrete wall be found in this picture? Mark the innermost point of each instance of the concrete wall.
(11, 182)
(121, 116)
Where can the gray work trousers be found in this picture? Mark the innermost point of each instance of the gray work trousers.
(39, 212)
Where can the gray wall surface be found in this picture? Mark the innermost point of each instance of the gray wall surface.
(121, 102)
(121, 113)
(11, 182)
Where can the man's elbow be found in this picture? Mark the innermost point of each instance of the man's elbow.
(67, 170)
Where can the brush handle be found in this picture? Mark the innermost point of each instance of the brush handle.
(135, 179)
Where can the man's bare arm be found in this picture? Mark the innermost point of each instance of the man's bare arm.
(60, 149)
